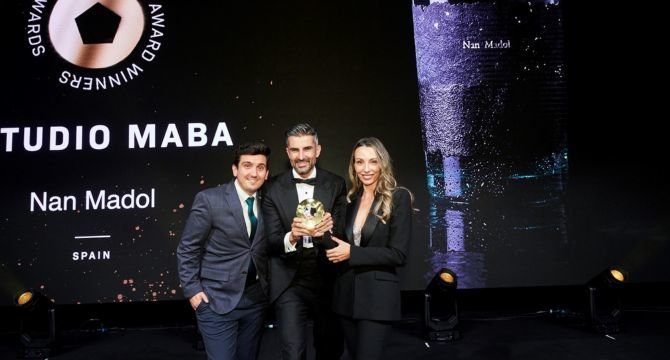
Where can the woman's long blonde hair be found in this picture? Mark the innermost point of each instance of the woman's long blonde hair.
(386, 183)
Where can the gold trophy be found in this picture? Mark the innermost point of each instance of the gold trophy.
(311, 211)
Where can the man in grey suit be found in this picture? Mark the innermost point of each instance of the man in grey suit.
(222, 259)
(301, 278)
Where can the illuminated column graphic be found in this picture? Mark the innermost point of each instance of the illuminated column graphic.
(493, 107)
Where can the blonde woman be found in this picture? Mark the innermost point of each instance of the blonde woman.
(378, 230)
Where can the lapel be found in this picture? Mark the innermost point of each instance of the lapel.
(352, 209)
(323, 191)
(369, 226)
(289, 197)
(233, 203)
(260, 227)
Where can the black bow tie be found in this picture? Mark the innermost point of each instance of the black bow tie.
(310, 181)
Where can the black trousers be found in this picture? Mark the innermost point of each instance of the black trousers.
(294, 309)
(365, 338)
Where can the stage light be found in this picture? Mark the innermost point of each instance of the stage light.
(37, 325)
(604, 300)
(441, 307)
(24, 298)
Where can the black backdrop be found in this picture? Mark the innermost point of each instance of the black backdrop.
(346, 67)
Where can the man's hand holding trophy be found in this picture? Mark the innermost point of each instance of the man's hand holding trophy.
(311, 220)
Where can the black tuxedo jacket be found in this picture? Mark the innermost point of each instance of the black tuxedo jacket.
(279, 206)
(368, 286)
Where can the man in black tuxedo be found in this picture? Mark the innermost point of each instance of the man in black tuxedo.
(222, 259)
(301, 278)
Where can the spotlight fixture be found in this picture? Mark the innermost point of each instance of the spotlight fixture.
(38, 325)
(441, 308)
(604, 300)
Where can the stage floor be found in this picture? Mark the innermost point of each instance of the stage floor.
(644, 335)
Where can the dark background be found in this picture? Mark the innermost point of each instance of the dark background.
(618, 190)
(346, 67)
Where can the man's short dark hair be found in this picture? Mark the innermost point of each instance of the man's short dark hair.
(301, 130)
(251, 148)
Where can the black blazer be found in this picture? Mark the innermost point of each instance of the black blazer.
(368, 286)
(214, 251)
(279, 204)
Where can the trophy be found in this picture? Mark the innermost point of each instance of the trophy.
(311, 211)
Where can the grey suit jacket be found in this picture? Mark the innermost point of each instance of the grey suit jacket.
(214, 252)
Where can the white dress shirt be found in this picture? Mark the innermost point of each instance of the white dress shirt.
(305, 191)
(243, 201)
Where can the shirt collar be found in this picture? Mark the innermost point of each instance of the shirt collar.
(241, 193)
(311, 176)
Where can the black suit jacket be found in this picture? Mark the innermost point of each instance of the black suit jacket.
(368, 286)
(214, 251)
(279, 205)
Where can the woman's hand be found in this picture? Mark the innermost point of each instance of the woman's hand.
(341, 252)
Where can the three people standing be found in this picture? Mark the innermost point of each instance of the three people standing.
(342, 271)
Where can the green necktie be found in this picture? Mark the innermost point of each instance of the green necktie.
(252, 217)
(251, 273)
